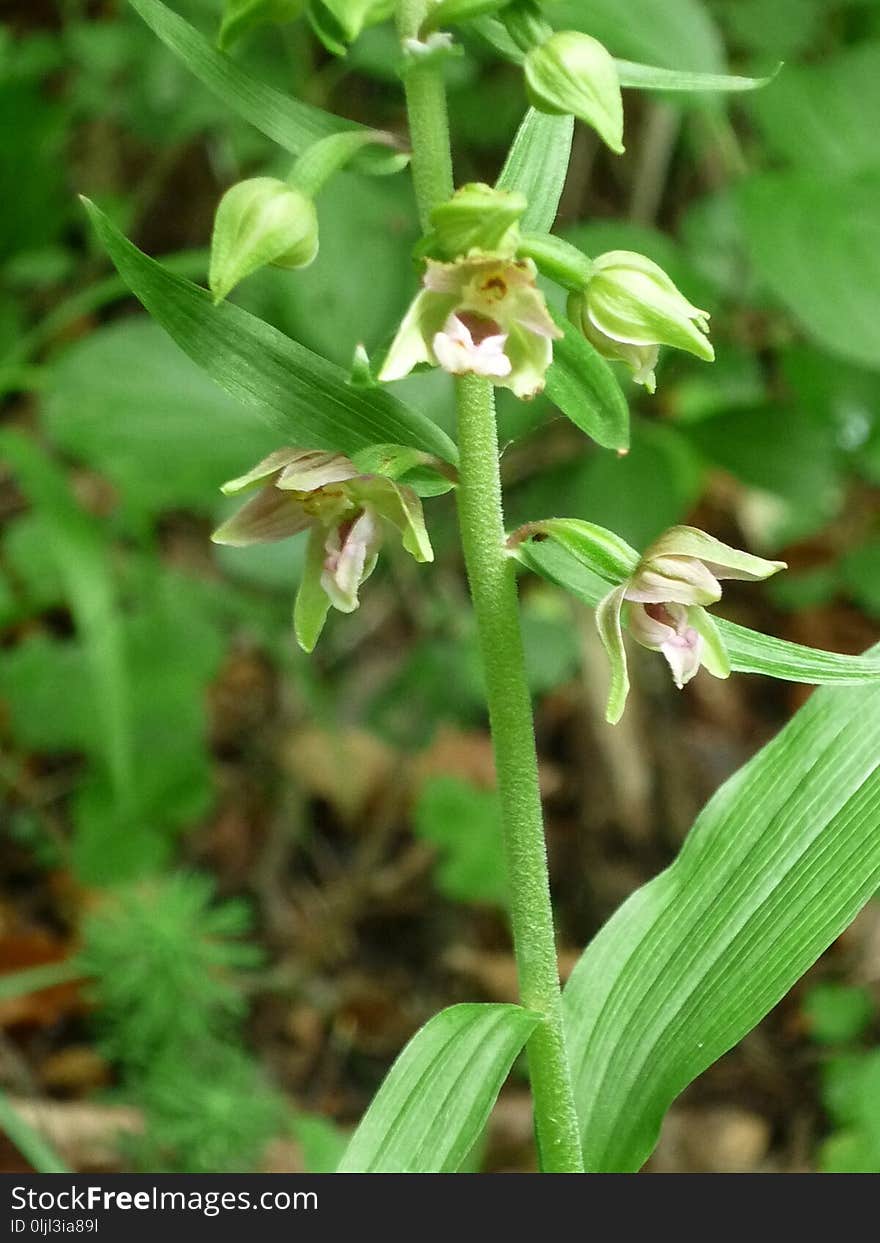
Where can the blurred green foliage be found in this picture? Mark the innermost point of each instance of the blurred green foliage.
(766, 210)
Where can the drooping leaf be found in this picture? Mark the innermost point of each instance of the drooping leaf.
(776, 866)
(750, 651)
(585, 389)
(430, 1110)
(303, 396)
(537, 165)
(291, 123)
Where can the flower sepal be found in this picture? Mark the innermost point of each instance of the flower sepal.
(477, 219)
(346, 512)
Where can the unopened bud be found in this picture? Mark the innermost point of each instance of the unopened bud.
(477, 218)
(572, 73)
(260, 221)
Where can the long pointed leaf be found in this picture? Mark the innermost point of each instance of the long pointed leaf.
(537, 166)
(291, 123)
(430, 1110)
(306, 397)
(776, 866)
(655, 78)
(584, 387)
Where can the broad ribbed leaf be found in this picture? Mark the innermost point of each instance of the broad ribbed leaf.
(307, 398)
(537, 165)
(654, 78)
(776, 866)
(750, 651)
(585, 389)
(291, 123)
(430, 1110)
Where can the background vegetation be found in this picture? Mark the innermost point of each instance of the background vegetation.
(244, 878)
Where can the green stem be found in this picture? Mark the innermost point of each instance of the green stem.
(428, 120)
(492, 581)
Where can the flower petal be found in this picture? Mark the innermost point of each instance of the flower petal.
(269, 516)
(316, 469)
(714, 656)
(611, 634)
(680, 580)
(401, 506)
(312, 602)
(722, 560)
(351, 550)
(412, 344)
(667, 628)
(269, 466)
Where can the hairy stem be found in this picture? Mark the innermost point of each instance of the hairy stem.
(493, 590)
(428, 120)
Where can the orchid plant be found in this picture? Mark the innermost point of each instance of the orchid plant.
(784, 856)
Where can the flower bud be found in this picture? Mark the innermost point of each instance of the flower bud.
(477, 218)
(260, 221)
(630, 307)
(573, 73)
(240, 16)
(339, 22)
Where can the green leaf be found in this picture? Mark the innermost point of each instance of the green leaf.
(168, 441)
(752, 652)
(678, 34)
(29, 1141)
(303, 396)
(837, 1013)
(291, 123)
(749, 651)
(240, 16)
(654, 78)
(776, 866)
(435, 1100)
(815, 241)
(823, 118)
(464, 823)
(537, 165)
(82, 563)
(585, 389)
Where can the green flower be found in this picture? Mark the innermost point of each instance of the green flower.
(664, 601)
(481, 315)
(630, 307)
(346, 514)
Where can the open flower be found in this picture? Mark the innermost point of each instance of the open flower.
(630, 307)
(664, 601)
(481, 315)
(345, 513)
